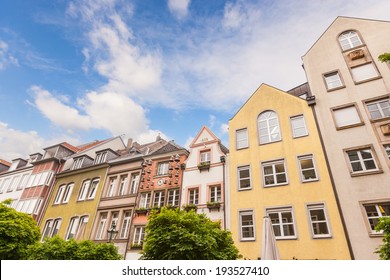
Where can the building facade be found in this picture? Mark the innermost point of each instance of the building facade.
(277, 169)
(352, 90)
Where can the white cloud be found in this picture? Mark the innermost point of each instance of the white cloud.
(224, 129)
(5, 57)
(188, 142)
(179, 8)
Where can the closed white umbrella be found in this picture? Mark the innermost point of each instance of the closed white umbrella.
(269, 249)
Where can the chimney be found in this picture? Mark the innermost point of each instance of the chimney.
(129, 143)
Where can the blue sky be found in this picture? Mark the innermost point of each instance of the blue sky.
(82, 70)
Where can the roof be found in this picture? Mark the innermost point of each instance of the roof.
(168, 147)
(4, 162)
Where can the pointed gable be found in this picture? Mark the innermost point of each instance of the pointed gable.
(204, 135)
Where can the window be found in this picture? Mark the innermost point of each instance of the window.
(244, 178)
(88, 189)
(111, 187)
(159, 199)
(173, 197)
(134, 183)
(298, 126)
(193, 196)
(1, 185)
(205, 156)
(23, 182)
(349, 40)
(376, 211)
(247, 227)
(274, 173)
(362, 160)
(364, 72)
(77, 163)
(333, 80)
(59, 195)
(268, 126)
(67, 193)
(101, 226)
(379, 109)
(139, 234)
(215, 193)
(125, 224)
(346, 116)
(145, 200)
(13, 184)
(123, 185)
(283, 224)
(51, 228)
(307, 168)
(242, 138)
(100, 157)
(162, 168)
(387, 149)
(93, 189)
(72, 228)
(318, 221)
(84, 190)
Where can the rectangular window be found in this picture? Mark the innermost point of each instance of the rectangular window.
(72, 228)
(47, 229)
(93, 189)
(139, 234)
(23, 182)
(125, 224)
(111, 187)
(77, 163)
(215, 193)
(13, 184)
(364, 72)
(247, 227)
(81, 227)
(362, 160)
(123, 184)
(387, 150)
(193, 196)
(134, 183)
(318, 221)
(205, 156)
(333, 80)
(173, 197)
(101, 226)
(283, 224)
(244, 178)
(242, 138)
(60, 194)
(145, 200)
(346, 116)
(159, 198)
(379, 109)
(84, 190)
(162, 168)
(1, 185)
(307, 168)
(100, 158)
(274, 173)
(68, 193)
(298, 126)
(376, 211)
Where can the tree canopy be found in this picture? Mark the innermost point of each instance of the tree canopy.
(384, 57)
(17, 231)
(175, 234)
(384, 249)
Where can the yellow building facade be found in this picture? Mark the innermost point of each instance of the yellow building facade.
(278, 169)
(72, 206)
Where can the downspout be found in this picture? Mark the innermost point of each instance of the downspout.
(223, 160)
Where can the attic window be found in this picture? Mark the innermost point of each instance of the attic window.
(349, 39)
(100, 157)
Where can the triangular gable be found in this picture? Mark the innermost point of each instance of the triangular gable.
(204, 135)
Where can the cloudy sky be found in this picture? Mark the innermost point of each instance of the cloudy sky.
(82, 70)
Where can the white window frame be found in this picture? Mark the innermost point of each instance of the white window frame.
(101, 226)
(387, 150)
(134, 183)
(379, 214)
(242, 140)
(268, 130)
(126, 222)
(100, 157)
(215, 193)
(365, 72)
(162, 168)
(344, 118)
(173, 197)
(51, 231)
(111, 188)
(193, 196)
(361, 160)
(77, 163)
(123, 184)
(298, 123)
(68, 193)
(84, 190)
(303, 170)
(239, 179)
(349, 40)
(93, 188)
(242, 226)
(379, 109)
(313, 223)
(144, 201)
(282, 222)
(333, 81)
(23, 181)
(139, 234)
(205, 156)
(60, 194)
(274, 173)
(159, 199)
(72, 228)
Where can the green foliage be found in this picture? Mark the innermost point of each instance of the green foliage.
(17, 231)
(384, 57)
(56, 248)
(384, 249)
(174, 234)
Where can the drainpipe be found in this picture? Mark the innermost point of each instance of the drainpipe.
(223, 160)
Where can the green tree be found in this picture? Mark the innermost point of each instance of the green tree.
(384, 57)
(17, 231)
(175, 234)
(384, 249)
(56, 248)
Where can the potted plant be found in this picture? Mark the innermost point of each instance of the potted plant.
(204, 165)
(213, 205)
(136, 246)
(141, 210)
(189, 207)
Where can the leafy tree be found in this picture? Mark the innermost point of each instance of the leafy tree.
(384, 249)
(17, 231)
(56, 248)
(384, 57)
(180, 235)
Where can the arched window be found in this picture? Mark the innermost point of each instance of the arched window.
(268, 127)
(349, 40)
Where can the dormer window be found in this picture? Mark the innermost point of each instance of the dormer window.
(100, 157)
(77, 163)
(349, 39)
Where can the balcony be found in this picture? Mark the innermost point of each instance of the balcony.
(204, 165)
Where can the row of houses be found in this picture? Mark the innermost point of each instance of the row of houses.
(315, 159)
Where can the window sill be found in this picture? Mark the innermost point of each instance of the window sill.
(286, 237)
(349, 126)
(248, 240)
(364, 173)
(276, 185)
(334, 89)
(322, 237)
(246, 189)
(379, 120)
(368, 80)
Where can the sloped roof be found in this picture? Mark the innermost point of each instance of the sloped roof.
(167, 148)
(4, 162)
